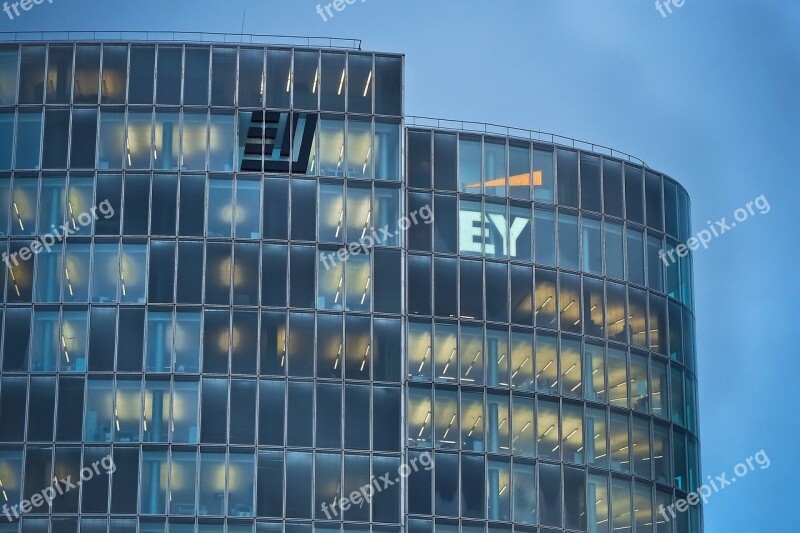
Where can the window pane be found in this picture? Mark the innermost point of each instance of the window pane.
(550, 495)
(332, 82)
(279, 80)
(547, 429)
(195, 87)
(211, 487)
(59, 75)
(195, 135)
(8, 73)
(545, 236)
(387, 150)
(112, 140)
(143, 68)
(56, 139)
(596, 438)
(31, 77)
(494, 168)
(115, 73)
(222, 139)
(223, 85)
(251, 77)
(84, 127)
(469, 165)
(29, 131)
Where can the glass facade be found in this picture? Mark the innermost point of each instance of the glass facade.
(170, 302)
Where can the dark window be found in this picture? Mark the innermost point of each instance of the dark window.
(419, 159)
(306, 79)
(612, 188)
(272, 400)
(591, 195)
(304, 208)
(273, 278)
(444, 161)
(446, 484)
(59, 74)
(386, 418)
(216, 338)
(300, 412)
(634, 194)
(244, 349)
(84, 132)
(356, 413)
(109, 189)
(567, 165)
(170, 64)
(195, 86)
(497, 292)
(94, 495)
(125, 480)
(419, 235)
(251, 77)
(70, 408)
(223, 82)
(444, 223)
(419, 284)
(162, 271)
(87, 74)
(653, 199)
(137, 204)
(302, 262)
(31, 76)
(273, 343)
(279, 65)
(269, 492)
(56, 139)
(115, 73)
(329, 416)
(550, 495)
(192, 204)
(471, 288)
(276, 208)
(388, 293)
(445, 287)
(102, 324)
(16, 346)
(387, 357)
(213, 417)
(218, 273)
(143, 68)
(164, 211)
(332, 91)
(243, 411)
(131, 337)
(13, 391)
(388, 86)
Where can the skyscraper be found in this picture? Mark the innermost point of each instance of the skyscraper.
(243, 276)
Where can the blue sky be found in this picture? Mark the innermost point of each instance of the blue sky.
(708, 95)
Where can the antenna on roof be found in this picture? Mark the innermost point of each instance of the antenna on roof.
(243, 15)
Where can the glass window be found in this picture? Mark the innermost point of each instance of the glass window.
(472, 421)
(48, 275)
(357, 417)
(543, 176)
(498, 427)
(388, 85)
(243, 411)
(592, 252)
(471, 299)
(29, 134)
(328, 416)
(187, 341)
(570, 292)
(59, 74)
(387, 150)
(223, 81)
(131, 339)
(244, 343)
(115, 74)
(84, 127)
(386, 411)
(522, 360)
(195, 134)
(469, 165)
(473, 487)
(597, 499)
(546, 299)
(635, 248)
(161, 287)
(220, 206)
(387, 335)
(617, 317)
(653, 199)
(621, 505)
(222, 140)
(56, 138)
(167, 148)
(331, 146)
(329, 287)
(568, 241)
(547, 430)
(658, 325)
(591, 195)
(620, 443)
(494, 171)
(195, 86)
(640, 436)
(138, 144)
(567, 178)
(419, 159)
(638, 317)
(615, 259)
(634, 194)
(128, 410)
(446, 425)
(159, 340)
(12, 407)
(9, 62)
(251, 77)
(643, 507)
(112, 140)
(306, 79)
(109, 198)
(272, 401)
(593, 307)
(546, 364)
(596, 436)
(137, 204)
(99, 410)
(6, 134)
(192, 202)
(302, 260)
(524, 490)
(661, 454)
(273, 282)
(612, 188)
(76, 272)
(572, 433)
(211, 488)
(571, 368)
(660, 391)
(545, 239)
(521, 294)
(445, 287)
(550, 495)
(359, 149)
(332, 90)
(101, 345)
(418, 350)
(301, 344)
(304, 199)
(31, 77)
(617, 377)
(519, 168)
(279, 78)
(105, 272)
(183, 483)
(358, 350)
(419, 285)
(575, 499)
(671, 207)
(359, 83)
(245, 273)
(640, 394)
(677, 395)
(143, 68)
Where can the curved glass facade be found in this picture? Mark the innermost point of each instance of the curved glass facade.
(183, 298)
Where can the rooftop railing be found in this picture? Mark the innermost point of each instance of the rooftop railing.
(519, 133)
(183, 36)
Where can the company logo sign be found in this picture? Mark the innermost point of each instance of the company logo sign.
(492, 233)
